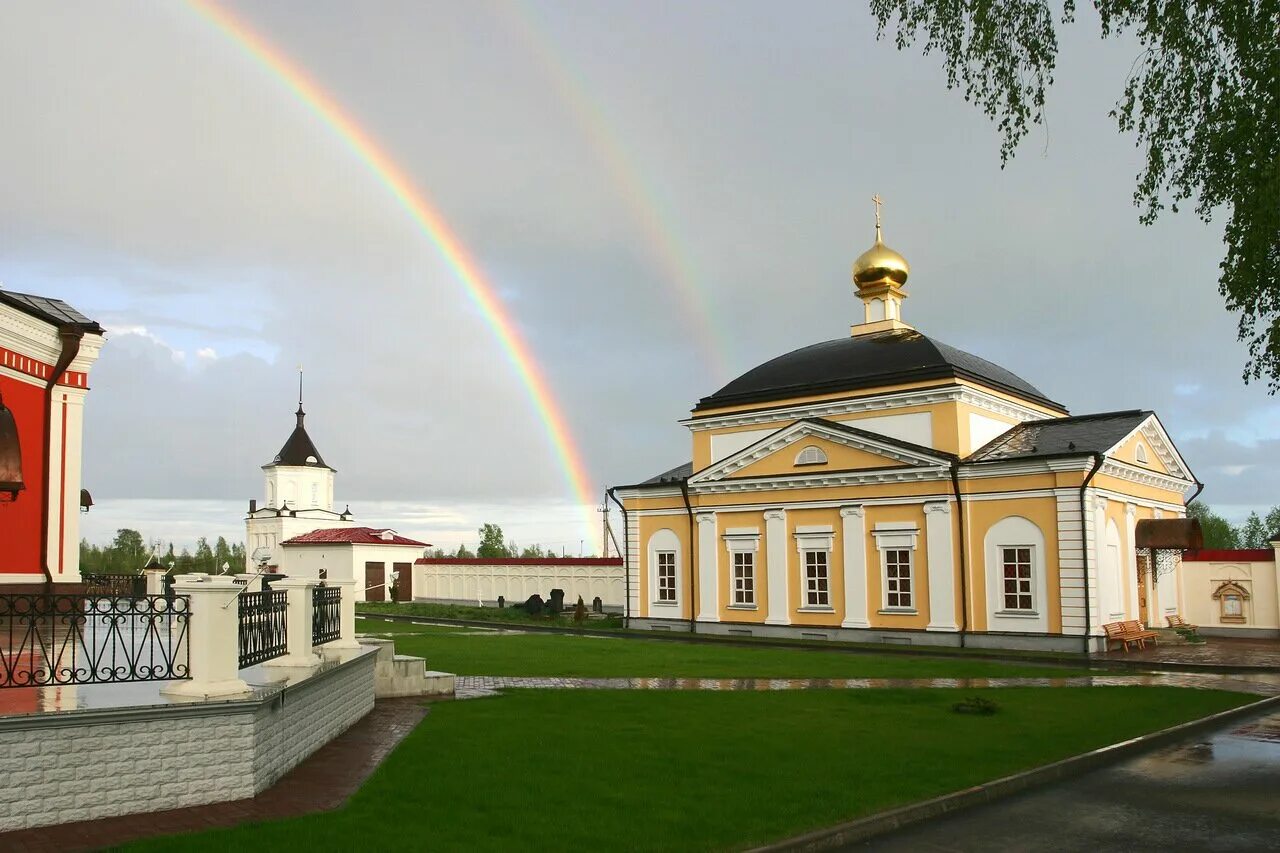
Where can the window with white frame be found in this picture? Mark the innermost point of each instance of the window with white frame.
(1141, 453)
(812, 455)
(1016, 567)
(744, 578)
(666, 575)
(817, 578)
(898, 592)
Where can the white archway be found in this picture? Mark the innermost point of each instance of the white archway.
(665, 541)
(1112, 574)
(1011, 544)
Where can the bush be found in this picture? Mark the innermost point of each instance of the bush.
(976, 705)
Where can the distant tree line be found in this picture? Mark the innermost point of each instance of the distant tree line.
(129, 552)
(493, 545)
(1256, 532)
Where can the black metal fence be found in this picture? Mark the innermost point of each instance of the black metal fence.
(48, 640)
(326, 614)
(130, 584)
(263, 634)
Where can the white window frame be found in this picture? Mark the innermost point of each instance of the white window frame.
(811, 455)
(658, 566)
(896, 537)
(1031, 563)
(813, 539)
(1140, 453)
(743, 543)
(893, 581)
(664, 541)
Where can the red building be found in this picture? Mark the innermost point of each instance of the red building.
(46, 351)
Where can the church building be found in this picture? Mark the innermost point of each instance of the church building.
(888, 487)
(47, 349)
(299, 498)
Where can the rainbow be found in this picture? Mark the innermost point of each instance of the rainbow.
(640, 192)
(432, 224)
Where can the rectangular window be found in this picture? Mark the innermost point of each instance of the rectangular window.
(1017, 579)
(666, 575)
(816, 579)
(897, 579)
(744, 577)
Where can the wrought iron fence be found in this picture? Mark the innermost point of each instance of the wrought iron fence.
(57, 639)
(262, 626)
(130, 584)
(326, 614)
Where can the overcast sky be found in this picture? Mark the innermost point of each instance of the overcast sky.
(664, 195)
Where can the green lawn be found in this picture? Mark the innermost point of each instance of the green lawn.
(485, 653)
(385, 626)
(644, 770)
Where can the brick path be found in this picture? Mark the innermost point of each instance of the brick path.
(477, 686)
(322, 782)
(1215, 652)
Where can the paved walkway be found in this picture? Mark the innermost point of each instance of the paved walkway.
(322, 782)
(1217, 791)
(477, 686)
(1215, 652)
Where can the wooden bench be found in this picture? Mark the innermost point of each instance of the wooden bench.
(1135, 629)
(1176, 621)
(1117, 633)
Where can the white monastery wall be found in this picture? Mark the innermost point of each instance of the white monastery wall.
(465, 583)
(1260, 611)
(91, 764)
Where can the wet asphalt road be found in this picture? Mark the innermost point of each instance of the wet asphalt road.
(1220, 791)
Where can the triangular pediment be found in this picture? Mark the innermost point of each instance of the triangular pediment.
(815, 446)
(1161, 455)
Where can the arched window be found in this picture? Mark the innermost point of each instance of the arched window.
(812, 455)
(665, 570)
(1141, 453)
(1115, 568)
(1015, 573)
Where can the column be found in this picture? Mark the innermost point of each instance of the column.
(1101, 590)
(940, 554)
(708, 573)
(775, 538)
(854, 538)
(347, 639)
(1131, 559)
(297, 622)
(213, 638)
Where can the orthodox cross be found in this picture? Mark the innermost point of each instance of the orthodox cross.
(877, 201)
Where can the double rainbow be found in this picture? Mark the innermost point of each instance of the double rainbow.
(432, 224)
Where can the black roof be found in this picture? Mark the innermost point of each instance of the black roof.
(674, 475)
(299, 449)
(53, 311)
(1081, 435)
(866, 361)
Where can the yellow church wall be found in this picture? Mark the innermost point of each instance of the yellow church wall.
(795, 570)
(647, 526)
(981, 516)
(724, 568)
(906, 515)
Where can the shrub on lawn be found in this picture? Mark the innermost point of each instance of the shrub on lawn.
(976, 705)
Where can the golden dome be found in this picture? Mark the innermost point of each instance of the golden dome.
(879, 263)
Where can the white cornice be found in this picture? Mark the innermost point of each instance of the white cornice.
(1144, 477)
(878, 402)
(977, 471)
(873, 476)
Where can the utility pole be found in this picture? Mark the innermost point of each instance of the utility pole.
(604, 526)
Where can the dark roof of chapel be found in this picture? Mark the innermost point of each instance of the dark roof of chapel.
(674, 475)
(299, 450)
(53, 311)
(868, 361)
(1080, 435)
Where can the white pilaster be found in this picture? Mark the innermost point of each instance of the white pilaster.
(1107, 594)
(942, 566)
(212, 637)
(1130, 558)
(708, 576)
(297, 622)
(775, 536)
(854, 539)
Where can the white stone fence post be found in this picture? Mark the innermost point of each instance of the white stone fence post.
(213, 632)
(297, 622)
(155, 581)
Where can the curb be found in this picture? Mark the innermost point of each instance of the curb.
(877, 824)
